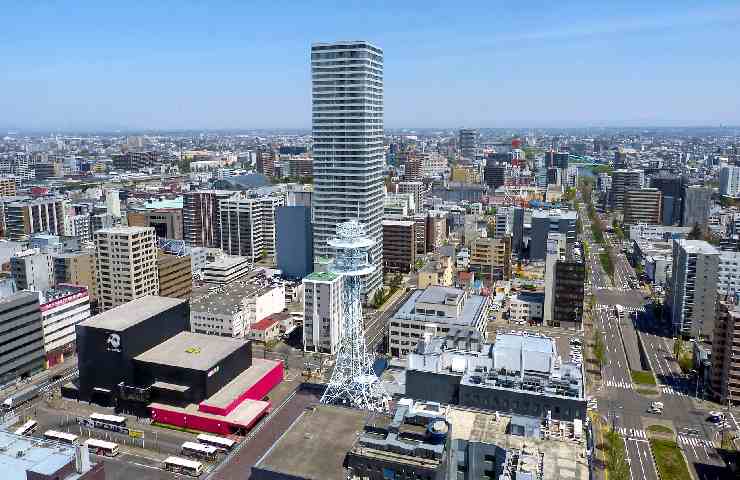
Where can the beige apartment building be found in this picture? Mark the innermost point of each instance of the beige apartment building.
(491, 257)
(126, 265)
(175, 275)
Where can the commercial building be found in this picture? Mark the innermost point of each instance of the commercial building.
(518, 375)
(694, 287)
(439, 270)
(76, 268)
(434, 311)
(28, 216)
(32, 270)
(7, 187)
(348, 152)
(570, 278)
(671, 188)
(725, 371)
(416, 189)
(656, 233)
(62, 308)
(494, 174)
(468, 141)
(322, 312)
(126, 265)
(265, 331)
(21, 336)
(30, 458)
(729, 181)
(491, 257)
(545, 222)
(201, 217)
(624, 180)
(175, 274)
(225, 269)
(165, 216)
(526, 307)
(696, 203)
(294, 239)
(399, 246)
(266, 160)
(135, 161)
(643, 206)
(656, 258)
(557, 160)
(248, 225)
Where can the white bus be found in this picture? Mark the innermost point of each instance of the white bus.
(182, 465)
(224, 444)
(109, 419)
(198, 450)
(27, 428)
(101, 447)
(61, 437)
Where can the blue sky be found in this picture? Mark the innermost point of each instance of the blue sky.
(177, 65)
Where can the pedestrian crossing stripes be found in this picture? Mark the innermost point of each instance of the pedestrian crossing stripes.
(668, 390)
(619, 384)
(694, 441)
(631, 308)
(632, 433)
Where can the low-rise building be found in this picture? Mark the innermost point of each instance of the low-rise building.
(265, 331)
(225, 270)
(491, 257)
(322, 304)
(434, 311)
(439, 270)
(526, 307)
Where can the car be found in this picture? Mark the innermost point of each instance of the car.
(716, 417)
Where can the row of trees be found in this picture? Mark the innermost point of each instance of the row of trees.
(381, 295)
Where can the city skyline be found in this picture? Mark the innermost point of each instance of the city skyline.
(237, 67)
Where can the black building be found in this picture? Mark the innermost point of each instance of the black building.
(134, 161)
(555, 159)
(671, 187)
(494, 174)
(570, 276)
(108, 343)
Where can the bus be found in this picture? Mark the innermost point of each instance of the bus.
(61, 437)
(198, 450)
(182, 465)
(27, 428)
(108, 419)
(101, 447)
(223, 444)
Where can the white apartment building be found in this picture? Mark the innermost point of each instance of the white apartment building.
(728, 273)
(126, 265)
(322, 312)
(694, 287)
(431, 312)
(729, 181)
(526, 307)
(61, 309)
(248, 225)
(433, 164)
(225, 269)
(348, 152)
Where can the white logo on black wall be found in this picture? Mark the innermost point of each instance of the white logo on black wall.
(114, 342)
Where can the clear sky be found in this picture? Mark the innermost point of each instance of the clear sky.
(245, 64)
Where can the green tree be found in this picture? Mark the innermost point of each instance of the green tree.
(616, 459)
(598, 348)
(695, 233)
(396, 281)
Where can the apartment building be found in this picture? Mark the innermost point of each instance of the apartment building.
(399, 246)
(624, 180)
(322, 312)
(126, 266)
(439, 270)
(135, 161)
(432, 312)
(414, 188)
(175, 275)
(201, 217)
(28, 216)
(694, 287)
(545, 222)
(7, 187)
(77, 268)
(729, 181)
(491, 257)
(725, 373)
(248, 225)
(21, 336)
(32, 270)
(643, 206)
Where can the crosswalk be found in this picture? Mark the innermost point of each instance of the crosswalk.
(619, 384)
(632, 433)
(688, 440)
(668, 390)
(633, 308)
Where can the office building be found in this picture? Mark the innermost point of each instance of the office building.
(519, 374)
(77, 268)
(30, 458)
(468, 141)
(725, 371)
(494, 174)
(620, 159)
(439, 270)
(696, 203)
(266, 160)
(545, 222)
(348, 147)
(527, 307)
(32, 270)
(399, 246)
(414, 188)
(671, 188)
(135, 161)
(694, 287)
(322, 312)
(165, 216)
(62, 308)
(126, 265)
(175, 275)
(225, 269)
(21, 336)
(201, 217)
(729, 181)
(517, 230)
(248, 225)
(491, 258)
(622, 181)
(643, 206)
(100, 221)
(28, 216)
(556, 248)
(294, 239)
(570, 278)
(435, 310)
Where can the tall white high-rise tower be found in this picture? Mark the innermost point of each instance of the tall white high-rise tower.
(348, 155)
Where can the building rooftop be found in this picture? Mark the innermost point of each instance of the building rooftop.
(225, 262)
(472, 308)
(20, 454)
(398, 223)
(124, 230)
(316, 444)
(322, 277)
(228, 298)
(129, 314)
(195, 351)
(556, 212)
(163, 203)
(698, 246)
